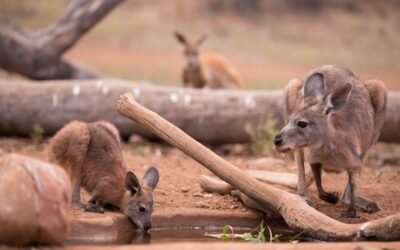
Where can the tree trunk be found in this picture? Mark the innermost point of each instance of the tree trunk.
(40, 56)
(293, 209)
(209, 116)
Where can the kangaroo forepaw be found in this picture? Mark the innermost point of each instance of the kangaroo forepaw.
(329, 197)
(93, 209)
(349, 213)
(371, 207)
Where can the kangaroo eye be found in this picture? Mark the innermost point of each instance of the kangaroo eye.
(142, 209)
(302, 124)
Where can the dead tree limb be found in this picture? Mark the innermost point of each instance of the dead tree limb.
(294, 210)
(209, 116)
(54, 103)
(39, 56)
(288, 180)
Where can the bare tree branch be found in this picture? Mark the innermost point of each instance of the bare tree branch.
(40, 56)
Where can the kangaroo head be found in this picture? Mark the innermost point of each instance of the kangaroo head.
(308, 123)
(191, 49)
(139, 204)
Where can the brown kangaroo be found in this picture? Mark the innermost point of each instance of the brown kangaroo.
(91, 154)
(333, 118)
(206, 70)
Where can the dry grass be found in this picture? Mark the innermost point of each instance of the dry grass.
(135, 40)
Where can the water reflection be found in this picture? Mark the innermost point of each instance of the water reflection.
(141, 237)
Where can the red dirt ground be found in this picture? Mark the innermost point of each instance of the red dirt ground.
(179, 189)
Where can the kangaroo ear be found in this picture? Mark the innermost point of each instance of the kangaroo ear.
(314, 86)
(181, 37)
(338, 98)
(201, 40)
(132, 183)
(150, 178)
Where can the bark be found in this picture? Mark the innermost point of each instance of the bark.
(288, 180)
(39, 56)
(209, 116)
(293, 209)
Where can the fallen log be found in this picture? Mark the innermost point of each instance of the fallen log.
(39, 56)
(293, 209)
(288, 180)
(212, 185)
(209, 116)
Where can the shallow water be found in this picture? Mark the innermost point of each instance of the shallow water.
(179, 234)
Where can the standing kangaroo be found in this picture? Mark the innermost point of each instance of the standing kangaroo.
(91, 154)
(333, 118)
(206, 70)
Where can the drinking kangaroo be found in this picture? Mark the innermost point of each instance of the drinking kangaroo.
(206, 70)
(91, 154)
(333, 119)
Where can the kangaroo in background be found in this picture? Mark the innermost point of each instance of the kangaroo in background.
(333, 118)
(206, 70)
(91, 154)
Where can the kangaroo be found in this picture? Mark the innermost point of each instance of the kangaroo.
(91, 154)
(332, 119)
(206, 70)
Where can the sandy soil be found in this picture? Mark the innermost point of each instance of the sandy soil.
(178, 188)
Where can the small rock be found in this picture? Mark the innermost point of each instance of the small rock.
(202, 205)
(207, 195)
(185, 189)
(198, 195)
(233, 206)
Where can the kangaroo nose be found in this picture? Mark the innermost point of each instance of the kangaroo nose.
(278, 140)
(147, 226)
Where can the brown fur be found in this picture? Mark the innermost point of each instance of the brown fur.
(342, 124)
(207, 70)
(91, 154)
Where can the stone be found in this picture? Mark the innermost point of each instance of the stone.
(185, 189)
(198, 195)
(207, 195)
(202, 205)
(35, 199)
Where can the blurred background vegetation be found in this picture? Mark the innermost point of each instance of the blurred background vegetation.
(268, 41)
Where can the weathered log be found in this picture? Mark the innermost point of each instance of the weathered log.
(288, 180)
(212, 185)
(269, 212)
(209, 116)
(35, 198)
(39, 56)
(293, 209)
(212, 116)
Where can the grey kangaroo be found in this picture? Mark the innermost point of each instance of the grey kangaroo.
(91, 154)
(332, 119)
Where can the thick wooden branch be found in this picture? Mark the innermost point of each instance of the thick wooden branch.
(54, 103)
(288, 180)
(294, 210)
(79, 18)
(209, 116)
(39, 56)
